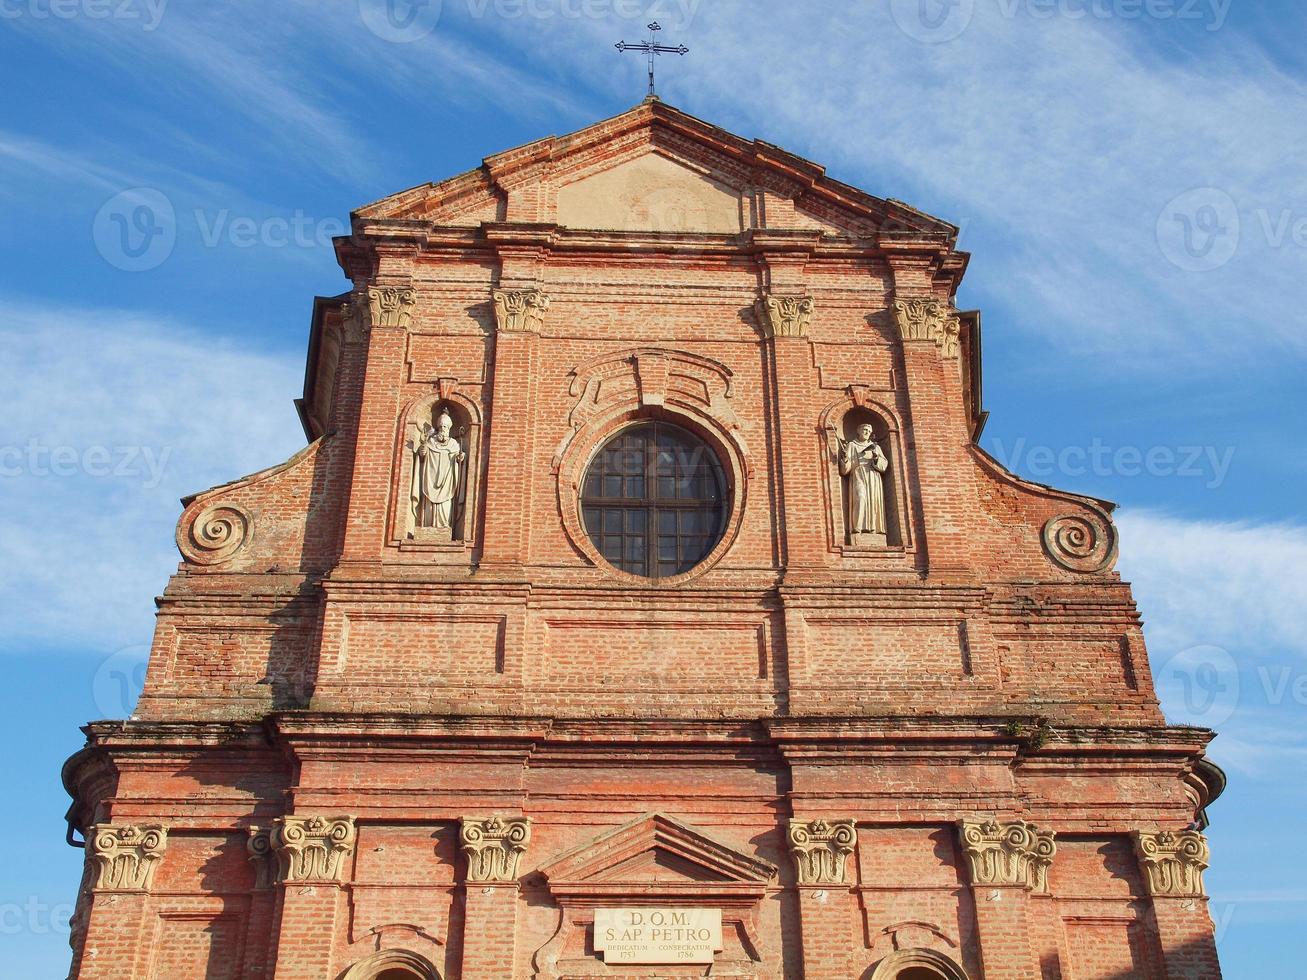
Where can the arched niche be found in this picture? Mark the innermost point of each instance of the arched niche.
(392, 964)
(917, 964)
(465, 419)
(840, 423)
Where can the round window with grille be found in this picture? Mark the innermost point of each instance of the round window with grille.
(653, 500)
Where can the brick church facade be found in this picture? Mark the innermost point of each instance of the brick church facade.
(643, 606)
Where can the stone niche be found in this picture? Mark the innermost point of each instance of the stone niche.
(841, 425)
(413, 527)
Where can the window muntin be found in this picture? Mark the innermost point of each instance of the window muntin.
(653, 500)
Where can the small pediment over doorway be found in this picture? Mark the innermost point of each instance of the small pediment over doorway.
(655, 860)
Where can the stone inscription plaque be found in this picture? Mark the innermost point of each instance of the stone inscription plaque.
(658, 935)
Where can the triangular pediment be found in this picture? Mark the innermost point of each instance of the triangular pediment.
(652, 169)
(656, 850)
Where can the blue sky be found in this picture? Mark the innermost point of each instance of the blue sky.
(1127, 173)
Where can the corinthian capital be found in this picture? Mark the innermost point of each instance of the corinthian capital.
(1015, 853)
(1173, 863)
(391, 306)
(785, 316)
(519, 309)
(312, 848)
(127, 855)
(820, 849)
(494, 846)
(931, 320)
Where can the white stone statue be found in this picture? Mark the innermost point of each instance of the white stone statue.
(862, 462)
(437, 471)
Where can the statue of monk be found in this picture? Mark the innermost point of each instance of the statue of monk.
(862, 462)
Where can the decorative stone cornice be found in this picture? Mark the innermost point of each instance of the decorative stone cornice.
(930, 320)
(494, 846)
(127, 855)
(1015, 853)
(391, 306)
(312, 848)
(519, 309)
(1173, 863)
(258, 848)
(784, 316)
(820, 849)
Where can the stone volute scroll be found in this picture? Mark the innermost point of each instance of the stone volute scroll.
(820, 849)
(785, 316)
(313, 848)
(519, 309)
(1173, 862)
(494, 846)
(863, 464)
(126, 855)
(1014, 853)
(1080, 542)
(438, 484)
(262, 858)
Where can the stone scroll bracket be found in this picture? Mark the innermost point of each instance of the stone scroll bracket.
(1015, 853)
(494, 846)
(1173, 863)
(126, 856)
(820, 849)
(311, 848)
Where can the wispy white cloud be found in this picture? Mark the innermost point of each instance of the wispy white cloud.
(111, 417)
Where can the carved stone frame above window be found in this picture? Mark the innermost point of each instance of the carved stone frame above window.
(861, 403)
(641, 384)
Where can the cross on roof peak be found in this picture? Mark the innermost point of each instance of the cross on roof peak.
(652, 48)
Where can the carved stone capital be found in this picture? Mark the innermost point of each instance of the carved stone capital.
(312, 848)
(785, 316)
(127, 855)
(258, 848)
(519, 309)
(494, 846)
(820, 849)
(353, 322)
(1173, 863)
(930, 320)
(1015, 853)
(391, 306)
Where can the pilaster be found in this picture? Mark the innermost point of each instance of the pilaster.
(1173, 865)
(827, 910)
(494, 847)
(1005, 862)
(313, 860)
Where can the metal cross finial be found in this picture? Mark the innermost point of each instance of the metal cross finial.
(651, 48)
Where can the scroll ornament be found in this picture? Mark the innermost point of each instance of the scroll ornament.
(494, 846)
(127, 855)
(313, 848)
(1080, 543)
(785, 316)
(519, 309)
(820, 849)
(929, 319)
(216, 534)
(1173, 863)
(1015, 853)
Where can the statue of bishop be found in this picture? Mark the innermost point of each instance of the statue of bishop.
(862, 463)
(437, 468)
